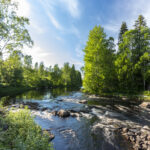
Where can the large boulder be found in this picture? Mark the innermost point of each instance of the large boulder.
(63, 113)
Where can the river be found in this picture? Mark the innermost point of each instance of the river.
(96, 125)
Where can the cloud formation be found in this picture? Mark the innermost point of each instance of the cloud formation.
(72, 6)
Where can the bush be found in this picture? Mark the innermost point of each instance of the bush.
(23, 133)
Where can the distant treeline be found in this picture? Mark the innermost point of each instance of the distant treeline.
(16, 69)
(122, 69)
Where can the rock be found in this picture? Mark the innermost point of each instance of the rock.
(75, 114)
(146, 127)
(144, 136)
(126, 136)
(43, 109)
(134, 130)
(49, 134)
(145, 105)
(148, 137)
(63, 113)
(83, 101)
(85, 110)
(130, 133)
(148, 148)
(125, 130)
(132, 139)
(144, 146)
(54, 113)
(138, 139)
(32, 105)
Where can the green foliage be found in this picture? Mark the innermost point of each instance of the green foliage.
(22, 132)
(123, 29)
(13, 33)
(99, 61)
(125, 70)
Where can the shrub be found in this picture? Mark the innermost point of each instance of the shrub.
(23, 133)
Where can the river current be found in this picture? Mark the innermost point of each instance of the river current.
(96, 125)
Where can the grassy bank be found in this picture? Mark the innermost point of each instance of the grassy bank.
(18, 131)
(12, 91)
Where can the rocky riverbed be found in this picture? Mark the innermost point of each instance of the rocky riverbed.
(86, 122)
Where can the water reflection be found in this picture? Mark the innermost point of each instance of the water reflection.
(45, 94)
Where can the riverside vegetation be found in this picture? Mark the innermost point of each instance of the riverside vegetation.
(126, 70)
(19, 131)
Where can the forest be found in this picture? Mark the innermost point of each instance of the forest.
(125, 69)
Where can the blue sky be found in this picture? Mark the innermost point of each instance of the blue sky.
(60, 28)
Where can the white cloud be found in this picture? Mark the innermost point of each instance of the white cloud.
(49, 8)
(23, 8)
(111, 27)
(72, 6)
(54, 21)
(37, 27)
(38, 54)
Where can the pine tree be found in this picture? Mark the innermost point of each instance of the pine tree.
(140, 22)
(123, 29)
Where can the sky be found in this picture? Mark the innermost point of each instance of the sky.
(60, 28)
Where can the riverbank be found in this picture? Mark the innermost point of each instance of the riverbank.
(140, 96)
(19, 131)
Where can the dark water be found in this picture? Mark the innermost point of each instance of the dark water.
(95, 129)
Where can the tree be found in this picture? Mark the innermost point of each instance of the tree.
(131, 65)
(98, 62)
(13, 33)
(28, 61)
(123, 29)
(140, 22)
(11, 70)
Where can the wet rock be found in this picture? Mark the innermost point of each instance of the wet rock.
(43, 109)
(144, 146)
(75, 114)
(146, 127)
(60, 100)
(140, 138)
(49, 134)
(145, 105)
(85, 110)
(54, 113)
(63, 113)
(125, 130)
(148, 137)
(132, 139)
(32, 105)
(83, 101)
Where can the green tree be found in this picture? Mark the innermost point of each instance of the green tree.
(98, 62)
(13, 34)
(123, 29)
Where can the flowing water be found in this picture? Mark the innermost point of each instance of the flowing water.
(95, 128)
